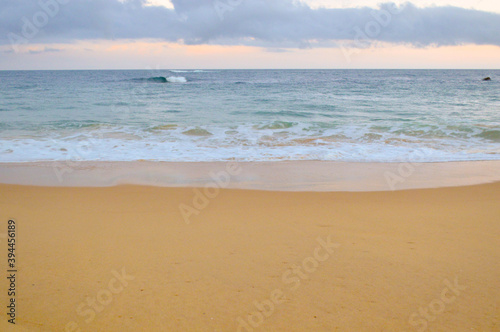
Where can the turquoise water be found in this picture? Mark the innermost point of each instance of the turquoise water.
(250, 115)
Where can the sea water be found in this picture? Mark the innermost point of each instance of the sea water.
(250, 115)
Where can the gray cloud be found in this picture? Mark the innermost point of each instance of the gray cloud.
(273, 24)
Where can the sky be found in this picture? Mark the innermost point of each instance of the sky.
(248, 34)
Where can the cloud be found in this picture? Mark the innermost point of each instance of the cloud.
(273, 24)
(44, 50)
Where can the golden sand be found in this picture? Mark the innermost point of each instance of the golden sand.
(124, 258)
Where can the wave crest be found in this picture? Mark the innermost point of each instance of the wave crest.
(176, 79)
(161, 79)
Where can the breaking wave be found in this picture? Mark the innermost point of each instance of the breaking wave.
(161, 79)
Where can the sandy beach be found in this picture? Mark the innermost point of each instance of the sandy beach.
(247, 166)
(145, 258)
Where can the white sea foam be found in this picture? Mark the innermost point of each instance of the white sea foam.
(246, 143)
(176, 79)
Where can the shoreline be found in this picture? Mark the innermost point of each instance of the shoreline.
(316, 176)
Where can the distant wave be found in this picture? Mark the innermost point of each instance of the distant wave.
(189, 71)
(176, 79)
(161, 79)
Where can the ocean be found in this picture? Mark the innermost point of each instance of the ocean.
(250, 115)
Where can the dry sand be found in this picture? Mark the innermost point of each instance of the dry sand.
(413, 260)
